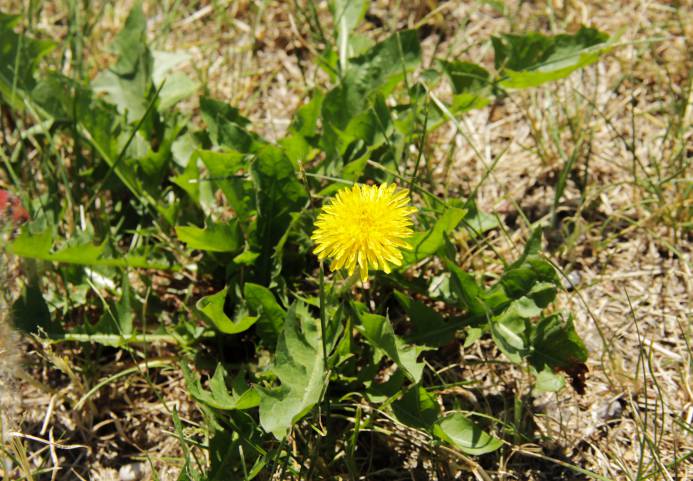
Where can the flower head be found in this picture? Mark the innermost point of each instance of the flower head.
(364, 225)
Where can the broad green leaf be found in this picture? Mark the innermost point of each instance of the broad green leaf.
(429, 327)
(278, 194)
(233, 453)
(246, 258)
(131, 42)
(509, 330)
(427, 243)
(184, 147)
(381, 68)
(439, 288)
(379, 392)
(31, 245)
(226, 125)
(128, 95)
(417, 408)
(189, 181)
(19, 57)
(384, 65)
(477, 222)
(530, 275)
(547, 381)
(261, 301)
(473, 335)
(296, 148)
(348, 14)
(64, 99)
(185, 154)
(299, 365)
(465, 435)
(30, 313)
(379, 333)
(351, 171)
(213, 238)
(532, 59)
(303, 130)
(467, 101)
(359, 43)
(524, 307)
(228, 170)
(465, 288)
(178, 87)
(241, 396)
(115, 326)
(127, 83)
(519, 281)
(212, 307)
(468, 79)
(556, 344)
(99, 123)
(363, 127)
(38, 246)
(151, 163)
(9, 20)
(472, 88)
(356, 141)
(166, 62)
(542, 293)
(305, 120)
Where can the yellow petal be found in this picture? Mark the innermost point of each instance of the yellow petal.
(364, 225)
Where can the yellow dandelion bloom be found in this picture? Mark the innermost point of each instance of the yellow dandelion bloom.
(364, 225)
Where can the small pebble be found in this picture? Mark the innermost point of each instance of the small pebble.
(132, 472)
(571, 280)
(609, 410)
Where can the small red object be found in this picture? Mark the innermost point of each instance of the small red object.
(11, 207)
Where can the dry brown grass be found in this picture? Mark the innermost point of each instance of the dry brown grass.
(625, 236)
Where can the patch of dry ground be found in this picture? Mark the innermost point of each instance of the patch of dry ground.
(621, 231)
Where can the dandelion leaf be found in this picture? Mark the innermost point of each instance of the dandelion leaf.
(19, 57)
(270, 314)
(278, 193)
(213, 309)
(557, 347)
(215, 237)
(427, 243)
(465, 435)
(532, 59)
(218, 396)
(379, 333)
(299, 366)
(417, 408)
(127, 83)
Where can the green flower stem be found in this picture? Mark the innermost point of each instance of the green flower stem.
(122, 339)
(133, 370)
(323, 314)
(323, 338)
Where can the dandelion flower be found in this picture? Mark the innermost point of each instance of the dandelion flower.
(364, 225)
